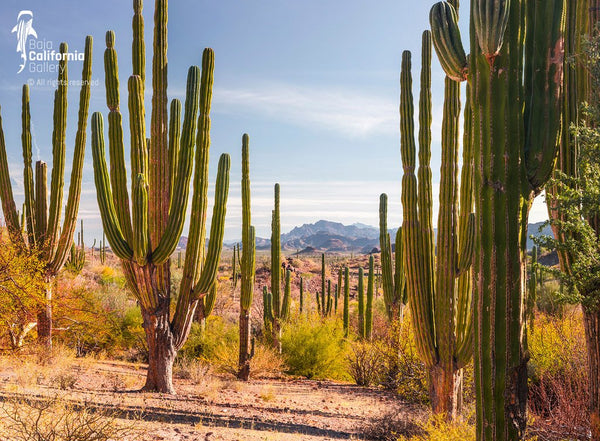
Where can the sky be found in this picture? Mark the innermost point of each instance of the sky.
(314, 83)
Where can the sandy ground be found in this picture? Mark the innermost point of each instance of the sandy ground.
(210, 408)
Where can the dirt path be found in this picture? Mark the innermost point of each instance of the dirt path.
(215, 408)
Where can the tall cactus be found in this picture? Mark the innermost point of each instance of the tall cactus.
(393, 275)
(276, 272)
(369, 305)
(515, 72)
(361, 304)
(346, 316)
(145, 236)
(323, 299)
(248, 267)
(439, 297)
(44, 234)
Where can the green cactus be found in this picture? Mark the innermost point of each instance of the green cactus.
(369, 305)
(76, 259)
(329, 299)
(346, 316)
(102, 250)
(267, 311)
(439, 295)
(146, 236)
(323, 299)
(44, 234)
(286, 303)
(393, 275)
(361, 304)
(248, 267)
(515, 73)
(301, 295)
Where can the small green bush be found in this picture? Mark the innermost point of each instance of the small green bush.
(315, 348)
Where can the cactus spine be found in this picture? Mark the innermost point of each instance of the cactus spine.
(44, 233)
(439, 297)
(515, 47)
(145, 236)
(248, 267)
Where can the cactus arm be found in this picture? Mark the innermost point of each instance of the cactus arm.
(110, 221)
(447, 41)
(118, 171)
(543, 83)
(41, 200)
(140, 220)
(467, 247)
(210, 299)
(170, 238)
(137, 124)
(248, 232)
(217, 229)
(160, 178)
(369, 305)
(323, 282)
(58, 157)
(491, 20)
(29, 206)
(70, 222)
(138, 47)
(174, 141)
(415, 262)
(6, 195)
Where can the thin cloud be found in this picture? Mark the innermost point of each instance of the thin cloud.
(343, 111)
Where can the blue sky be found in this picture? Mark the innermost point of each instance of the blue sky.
(314, 83)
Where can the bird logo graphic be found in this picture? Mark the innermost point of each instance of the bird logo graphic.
(24, 30)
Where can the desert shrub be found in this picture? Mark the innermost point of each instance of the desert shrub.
(549, 298)
(218, 344)
(393, 424)
(193, 369)
(402, 369)
(437, 428)
(315, 348)
(558, 391)
(364, 364)
(57, 420)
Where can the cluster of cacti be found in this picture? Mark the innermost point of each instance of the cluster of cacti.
(76, 259)
(276, 309)
(365, 305)
(324, 298)
(515, 74)
(102, 249)
(392, 273)
(161, 170)
(43, 233)
(438, 286)
(247, 266)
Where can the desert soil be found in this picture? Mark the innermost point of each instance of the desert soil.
(212, 408)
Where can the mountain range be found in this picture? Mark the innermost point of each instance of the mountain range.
(327, 236)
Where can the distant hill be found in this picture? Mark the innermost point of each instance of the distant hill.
(327, 236)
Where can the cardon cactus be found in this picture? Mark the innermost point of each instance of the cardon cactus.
(393, 275)
(346, 315)
(248, 267)
(144, 231)
(44, 233)
(370, 293)
(515, 73)
(76, 258)
(437, 285)
(361, 303)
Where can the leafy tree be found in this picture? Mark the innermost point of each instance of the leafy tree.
(21, 297)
